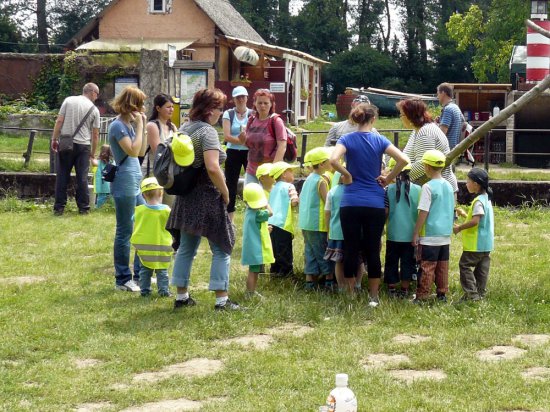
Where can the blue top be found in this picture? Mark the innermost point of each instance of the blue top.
(100, 185)
(236, 127)
(279, 201)
(451, 116)
(334, 198)
(128, 176)
(311, 215)
(364, 152)
(402, 215)
(439, 222)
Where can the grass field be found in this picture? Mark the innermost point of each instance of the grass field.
(71, 342)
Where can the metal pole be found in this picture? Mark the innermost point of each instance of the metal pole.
(396, 139)
(28, 153)
(52, 157)
(486, 147)
(304, 146)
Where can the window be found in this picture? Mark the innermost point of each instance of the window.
(158, 6)
(539, 7)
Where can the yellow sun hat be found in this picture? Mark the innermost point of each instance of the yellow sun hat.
(278, 168)
(392, 163)
(149, 183)
(254, 196)
(434, 158)
(263, 169)
(182, 147)
(316, 156)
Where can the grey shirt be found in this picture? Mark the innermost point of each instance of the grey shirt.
(73, 110)
(338, 130)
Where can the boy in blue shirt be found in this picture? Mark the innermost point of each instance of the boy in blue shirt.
(433, 229)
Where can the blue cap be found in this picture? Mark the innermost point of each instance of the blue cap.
(239, 91)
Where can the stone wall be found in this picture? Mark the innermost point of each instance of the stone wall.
(506, 193)
(43, 123)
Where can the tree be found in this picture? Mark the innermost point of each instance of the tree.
(10, 36)
(492, 34)
(260, 14)
(362, 66)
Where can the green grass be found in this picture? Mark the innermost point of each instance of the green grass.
(76, 314)
(13, 147)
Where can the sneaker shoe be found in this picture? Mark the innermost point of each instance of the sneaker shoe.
(330, 287)
(84, 211)
(58, 212)
(402, 293)
(182, 303)
(441, 298)
(129, 286)
(374, 301)
(393, 293)
(229, 305)
(165, 294)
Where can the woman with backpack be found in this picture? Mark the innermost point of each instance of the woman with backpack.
(265, 135)
(202, 212)
(234, 124)
(159, 129)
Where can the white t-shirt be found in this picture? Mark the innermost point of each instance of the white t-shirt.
(73, 110)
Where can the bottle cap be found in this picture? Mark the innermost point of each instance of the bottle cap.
(342, 379)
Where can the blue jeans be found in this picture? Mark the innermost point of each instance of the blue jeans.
(101, 199)
(219, 270)
(145, 275)
(315, 246)
(124, 208)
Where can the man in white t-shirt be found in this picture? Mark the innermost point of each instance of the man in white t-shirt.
(344, 127)
(72, 112)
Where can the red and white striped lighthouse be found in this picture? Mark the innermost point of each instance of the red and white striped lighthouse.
(538, 46)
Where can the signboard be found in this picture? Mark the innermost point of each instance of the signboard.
(277, 87)
(190, 82)
(172, 55)
(122, 82)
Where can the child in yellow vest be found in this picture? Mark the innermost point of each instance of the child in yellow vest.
(477, 236)
(311, 219)
(257, 250)
(152, 241)
(282, 199)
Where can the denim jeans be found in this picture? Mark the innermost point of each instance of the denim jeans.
(101, 199)
(79, 158)
(145, 275)
(219, 270)
(124, 208)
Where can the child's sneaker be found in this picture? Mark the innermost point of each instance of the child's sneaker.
(183, 303)
(441, 297)
(392, 293)
(129, 286)
(374, 301)
(403, 293)
(310, 287)
(165, 294)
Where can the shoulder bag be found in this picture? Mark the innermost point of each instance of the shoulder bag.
(66, 141)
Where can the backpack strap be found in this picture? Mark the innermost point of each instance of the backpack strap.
(231, 113)
(271, 124)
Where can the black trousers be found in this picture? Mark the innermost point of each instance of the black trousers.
(281, 240)
(399, 254)
(79, 158)
(236, 160)
(362, 228)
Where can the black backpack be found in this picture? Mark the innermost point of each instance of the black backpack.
(175, 179)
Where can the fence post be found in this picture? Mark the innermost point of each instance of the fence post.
(396, 139)
(486, 148)
(52, 157)
(27, 155)
(304, 146)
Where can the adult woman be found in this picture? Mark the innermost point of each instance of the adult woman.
(203, 211)
(234, 124)
(159, 129)
(362, 212)
(265, 136)
(126, 146)
(426, 135)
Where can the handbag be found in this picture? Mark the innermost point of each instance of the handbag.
(109, 172)
(66, 140)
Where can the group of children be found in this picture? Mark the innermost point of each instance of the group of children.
(420, 222)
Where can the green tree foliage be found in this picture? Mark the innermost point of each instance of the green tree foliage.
(260, 14)
(10, 36)
(321, 28)
(362, 66)
(492, 34)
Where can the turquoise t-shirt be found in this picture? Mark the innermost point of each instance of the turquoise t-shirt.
(128, 175)
(236, 128)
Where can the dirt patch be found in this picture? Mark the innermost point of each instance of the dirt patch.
(93, 406)
(498, 353)
(411, 375)
(260, 342)
(22, 280)
(405, 338)
(537, 373)
(119, 387)
(190, 369)
(532, 340)
(293, 329)
(382, 360)
(518, 225)
(173, 405)
(86, 363)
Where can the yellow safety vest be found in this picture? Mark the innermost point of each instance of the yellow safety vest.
(152, 241)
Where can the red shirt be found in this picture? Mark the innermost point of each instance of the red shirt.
(262, 146)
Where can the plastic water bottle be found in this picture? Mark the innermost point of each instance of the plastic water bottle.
(342, 398)
(496, 111)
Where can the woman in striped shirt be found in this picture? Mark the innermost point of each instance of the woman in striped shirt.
(426, 135)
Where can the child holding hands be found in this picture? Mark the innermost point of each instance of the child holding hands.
(477, 236)
(258, 250)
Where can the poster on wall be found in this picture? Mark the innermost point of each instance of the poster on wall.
(122, 82)
(190, 82)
